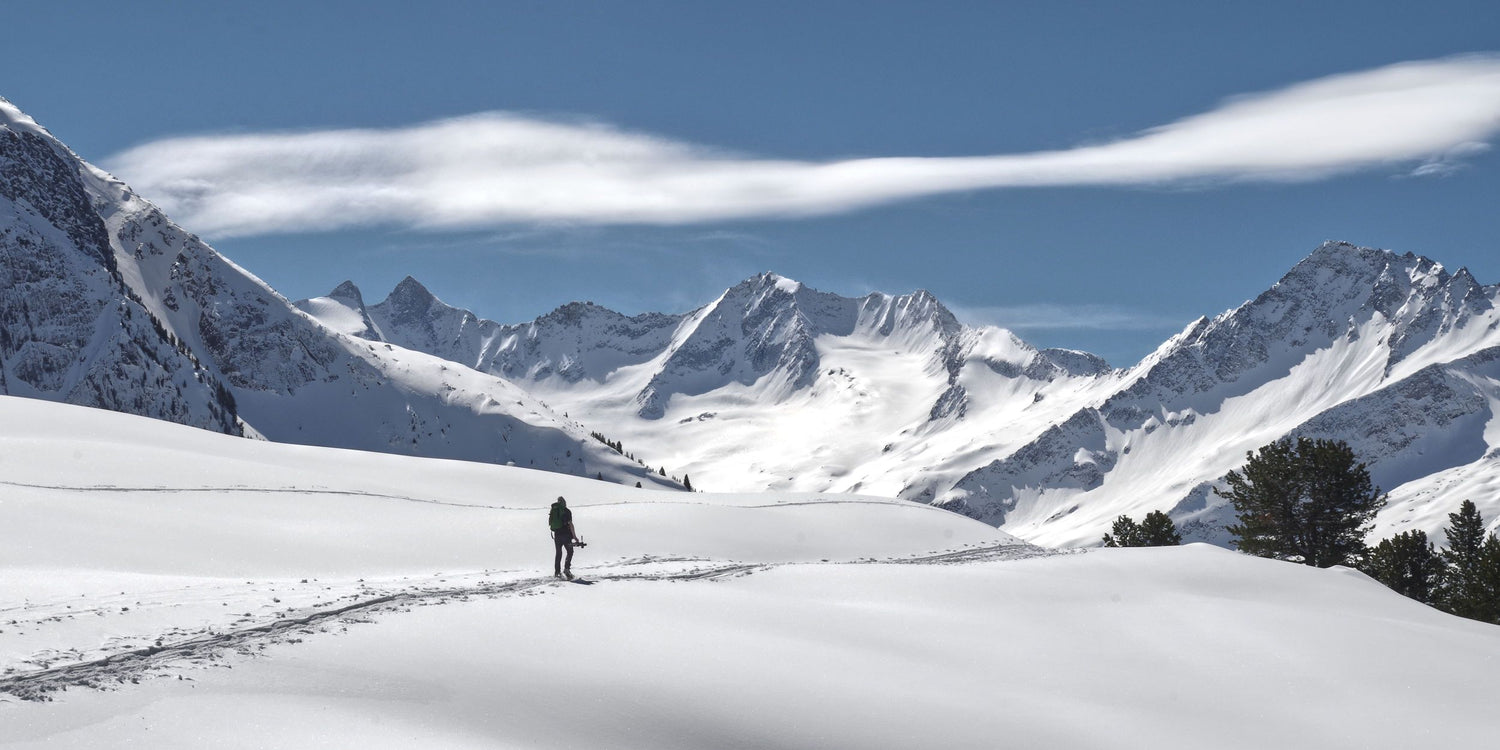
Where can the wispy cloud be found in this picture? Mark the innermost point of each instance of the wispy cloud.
(1450, 161)
(497, 169)
(1048, 317)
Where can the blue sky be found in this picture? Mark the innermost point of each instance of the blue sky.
(692, 97)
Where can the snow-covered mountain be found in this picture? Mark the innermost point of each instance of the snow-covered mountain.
(774, 385)
(1389, 352)
(108, 303)
(778, 386)
(71, 329)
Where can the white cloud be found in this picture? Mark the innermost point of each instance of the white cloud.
(497, 168)
(1049, 317)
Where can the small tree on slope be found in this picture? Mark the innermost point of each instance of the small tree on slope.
(1308, 501)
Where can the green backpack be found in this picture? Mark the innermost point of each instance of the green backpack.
(557, 520)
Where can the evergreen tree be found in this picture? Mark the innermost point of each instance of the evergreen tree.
(1488, 586)
(1308, 501)
(1473, 583)
(1409, 565)
(1124, 533)
(1465, 535)
(1156, 531)
(687, 484)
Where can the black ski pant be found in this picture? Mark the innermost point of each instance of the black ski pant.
(560, 539)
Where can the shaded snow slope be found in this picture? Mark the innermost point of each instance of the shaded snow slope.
(153, 543)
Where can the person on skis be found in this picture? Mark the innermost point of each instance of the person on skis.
(560, 519)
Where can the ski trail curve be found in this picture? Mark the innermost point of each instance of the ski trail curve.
(132, 665)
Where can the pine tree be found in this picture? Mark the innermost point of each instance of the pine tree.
(1473, 583)
(1308, 501)
(1124, 533)
(1157, 530)
(1489, 581)
(687, 484)
(1409, 565)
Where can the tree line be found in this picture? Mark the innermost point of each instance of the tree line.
(1312, 502)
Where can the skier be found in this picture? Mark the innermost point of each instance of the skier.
(560, 519)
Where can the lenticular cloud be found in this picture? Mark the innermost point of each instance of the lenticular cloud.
(500, 168)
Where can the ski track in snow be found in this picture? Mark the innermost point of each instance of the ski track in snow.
(332, 608)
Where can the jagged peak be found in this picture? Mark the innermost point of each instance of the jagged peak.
(1345, 255)
(1077, 363)
(573, 313)
(348, 292)
(410, 294)
(924, 301)
(766, 281)
(1374, 277)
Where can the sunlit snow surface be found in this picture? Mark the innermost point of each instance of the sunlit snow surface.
(198, 580)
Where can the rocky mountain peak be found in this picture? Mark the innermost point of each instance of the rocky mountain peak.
(574, 314)
(348, 294)
(410, 295)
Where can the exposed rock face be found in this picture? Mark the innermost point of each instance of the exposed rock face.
(71, 330)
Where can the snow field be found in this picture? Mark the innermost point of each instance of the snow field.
(1185, 647)
(921, 629)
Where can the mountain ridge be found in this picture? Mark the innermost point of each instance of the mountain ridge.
(1375, 327)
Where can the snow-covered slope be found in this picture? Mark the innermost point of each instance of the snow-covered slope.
(778, 386)
(235, 593)
(71, 330)
(1388, 352)
(108, 303)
